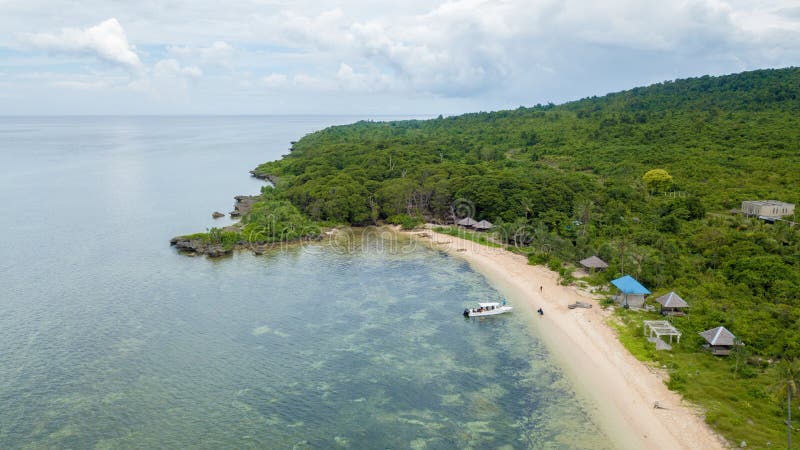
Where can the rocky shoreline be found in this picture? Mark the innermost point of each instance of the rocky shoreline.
(266, 177)
(195, 245)
(243, 204)
(199, 247)
(198, 244)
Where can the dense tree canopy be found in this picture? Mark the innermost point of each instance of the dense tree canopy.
(577, 179)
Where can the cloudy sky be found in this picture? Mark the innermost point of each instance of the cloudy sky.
(367, 56)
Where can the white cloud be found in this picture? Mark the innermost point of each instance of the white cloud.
(371, 81)
(106, 40)
(81, 85)
(297, 82)
(170, 68)
(483, 53)
(218, 53)
(329, 29)
(275, 80)
(466, 47)
(310, 82)
(167, 81)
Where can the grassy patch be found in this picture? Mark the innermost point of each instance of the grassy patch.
(733, 394)
(217, 236)
(405, 221)
(474, 236)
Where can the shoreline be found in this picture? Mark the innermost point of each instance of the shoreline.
(618, 390)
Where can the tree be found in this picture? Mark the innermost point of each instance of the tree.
(740, 353)
(657, 180)
(788, 384)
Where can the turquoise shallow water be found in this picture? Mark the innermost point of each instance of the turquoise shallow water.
(109, 339)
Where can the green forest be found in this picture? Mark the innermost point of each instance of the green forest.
(648, 179)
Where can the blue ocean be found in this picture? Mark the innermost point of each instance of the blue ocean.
(111, 339)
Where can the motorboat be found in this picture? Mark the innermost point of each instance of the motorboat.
(488, 309)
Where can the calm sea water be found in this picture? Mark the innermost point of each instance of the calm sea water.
(109, 339)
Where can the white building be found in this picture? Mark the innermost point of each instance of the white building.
(767, 208)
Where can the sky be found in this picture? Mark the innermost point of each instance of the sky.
(369, 57)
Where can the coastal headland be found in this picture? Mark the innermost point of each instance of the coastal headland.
(627, 398)
(648, 180)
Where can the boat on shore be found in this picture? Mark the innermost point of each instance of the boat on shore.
(488, 309)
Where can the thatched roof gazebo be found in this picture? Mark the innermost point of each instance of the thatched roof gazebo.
(672, 304)
(483, 225)
(594, 263)
(467, 222)
(719, 340)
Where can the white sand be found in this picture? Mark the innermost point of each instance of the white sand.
(619, 390)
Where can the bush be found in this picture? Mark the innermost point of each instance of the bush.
(554, 264)
(536, 259)
(405, 221)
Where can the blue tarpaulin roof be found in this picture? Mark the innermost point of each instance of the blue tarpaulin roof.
(628, 285)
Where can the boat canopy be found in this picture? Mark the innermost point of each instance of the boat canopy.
(484, 305)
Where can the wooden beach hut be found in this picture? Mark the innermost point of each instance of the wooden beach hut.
(483, 225)
(632, 292)
(467, 222)
(672, 304)
(594, 263)
(719, 341)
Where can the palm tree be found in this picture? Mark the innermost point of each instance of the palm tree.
(788, 384)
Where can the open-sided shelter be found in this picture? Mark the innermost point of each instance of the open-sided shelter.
(672, 304)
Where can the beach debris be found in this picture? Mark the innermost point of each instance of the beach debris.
(743, 444)
(217, 214)
(657, 405)
(579, 305)
(540, 311)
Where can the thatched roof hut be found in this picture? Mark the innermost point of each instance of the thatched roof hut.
(483, 225)
(594, 263)
(672, 304)
(467, 222)
(719, 340)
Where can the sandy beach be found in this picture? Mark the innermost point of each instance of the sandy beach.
(619, 391)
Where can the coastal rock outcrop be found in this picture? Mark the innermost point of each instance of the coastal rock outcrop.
(218, 242)
(195, 246)
(243, 204)
(266, 177)
(217, 214)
